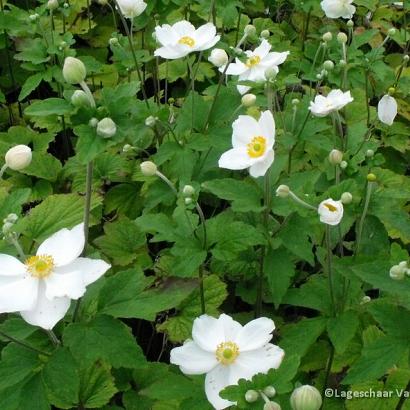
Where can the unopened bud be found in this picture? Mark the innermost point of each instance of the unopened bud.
(327, 37)
(74, 71)
(369, 153)
(188, 201)
(365, 299)
(335, 157)
(328, 65)
(346, 198)
(282, 191)
(251, 396)
(12, 218)
(188, 190)
(306, 398)
(80, 99)
(295, 102)
(265, 33)
(250, 30)
(343, 165)
(127, 148)
(350, 23)
(406, 58)
(150, 121)
(391, 31)
(18, 157)
(371, 177)
(271, 405)
(7, 228)
(397, 272)
(269, 391)
(342, 63)
(218, 57)
(34, 17)
(113, 41)
(106, 128)
(148, 168)
(52, 4)
(391, 91)
(66, 5)
(342, 38)
(93, 122)
(248, 100)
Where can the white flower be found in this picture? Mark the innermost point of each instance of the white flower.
(252, 143)
(335, 100)
(257, 61)
(338, 8)
(227, 351)
(131, 8)
(387, 109)
(218, 57)
(182, 38)
(18, 157)
(41, 288)
(330, 211)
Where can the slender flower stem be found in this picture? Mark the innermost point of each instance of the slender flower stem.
(343, 137)
(344, 78)
(13, 239)
(369, 189)
(297, 140)
(192, 75)
(328, 369)
(366, 90)
(88, 92)
(167, 181)
(23, 344)
(301, 201)
(53, 337)
(329, 269)
(3, 170)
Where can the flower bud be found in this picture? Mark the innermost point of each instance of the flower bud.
(369, 153)
(335, 157)
(342, 38)
(327, 37)
(188, 201)
(93, 122)
(250, 30)
(80, 99)
(342, 63)
(403, 264)
(391, 91)
(282, 191)
(106, 128)
(74, 71)
(251, 396)
(343, 165)
(127, 148)
(350, 23)
(328, 65)
(371, 177)
(269, 391)
(18, 157)
(306, 398)
(12, 218)
(52, 4)
(365, 299)
(391, 31)
(113, 41)
(248, 100)
(295, 102)
(346, 198)
(406, 58)
(265, 33)
(150, 121)
(7, 228)
(218, 57)
(33, 17)
(148, 168)
(188, 190)
(271, 405)
(271, 73)
(397, 272)
(319, 76)
(66, 5)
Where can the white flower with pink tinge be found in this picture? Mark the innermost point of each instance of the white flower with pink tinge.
(227, 351)
(41, 289)
(338, 8)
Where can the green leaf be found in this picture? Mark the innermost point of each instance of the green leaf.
(17, 328)
(103, 338)
(50, 106)
(44, 166)
(30, 85)
(342, 329)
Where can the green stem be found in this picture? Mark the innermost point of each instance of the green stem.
(328, 369)
(2, 171)
(87, 207)
(16, 244)
(88, 92)
(23, 344)
(370, 185)
(53, 337)
(167, 181)
(343, 138)
(366, 90)
(301, 201)
(201, 271)
(329, 269)
(192, 75)
(297, 140)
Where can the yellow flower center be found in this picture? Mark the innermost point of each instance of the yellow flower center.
(227, 352)
(251, 61)
(188, 41)
(40, 266)
(330, 207)
(257, 147)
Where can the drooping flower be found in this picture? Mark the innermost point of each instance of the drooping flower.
(227, 351)
(387, 109)
(255, 65)
(252, 143)
(330, 211)
(338, 8)
(334, 101)
(182, 38)
(41, 288)
(131, 8)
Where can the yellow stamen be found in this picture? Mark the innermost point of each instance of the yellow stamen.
(40, 266)
(251, 61)
(227, 352)
(257, 147)
(330, 207)
(188, 41)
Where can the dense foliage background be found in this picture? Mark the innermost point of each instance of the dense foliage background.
(116, 353)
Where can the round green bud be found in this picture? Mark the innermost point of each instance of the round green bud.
(306, 398)
(342, 63)
(127, 148)
(269, 391)
(328, 65)
(369, 153)
(188, 190)
(391, 91)
(52, 4)
(406, 58)
(343, 165)
(148, 168)
(66, 5)
(113, 41)
(365, 299)
(346, 198)
(7, 228)
(350, 23)
(282, 191)
(295, 102)
(265, 33)
(34, 17)
(397, 273)
(371, 177)
(248, 100)
(74, 71)
(342, 38)
(106, 128)
(271, 73)
(250, 30)
(391, 31)
(271, 405)
(80, 99)
(335, 156)
(251, 396)
(93, 122)
(327, 37)
(12, 218)
(151, 121)
(188, 201)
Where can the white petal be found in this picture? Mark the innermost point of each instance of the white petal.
(64, 246)
(257, 73)
(172, 52)
(11, 266)
(261, 360)
(91, 269)
(17, 294)
(184, 28)
(235, 159)
(236, 68)
(387, 109)
(215, 381)
(205, 34)
(192, 359)
(244, 129)
(267, 126)
(165, 35)
(208, 44)
(243, 89)
(263, 49)
(208, 333)
(259, 168)
(230, 327)
(255, 334)
(274, 59)
(46, 313)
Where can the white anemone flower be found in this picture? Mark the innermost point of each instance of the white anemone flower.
(182, 38)
(338, 8)
(335, 101)
(227, 351)
(387, 109)
(257, 62)
(131, 8)
(252, 143)
(330, 211)
(41, 288)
